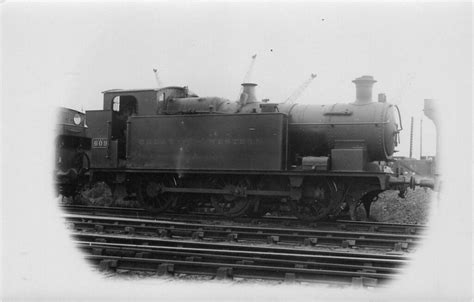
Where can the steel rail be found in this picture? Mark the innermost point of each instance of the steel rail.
(284, 250)
(243, 233)
(284, 259)
(246, 262)
(379, 227)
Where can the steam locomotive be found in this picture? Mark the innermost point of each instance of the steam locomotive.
(174, 149)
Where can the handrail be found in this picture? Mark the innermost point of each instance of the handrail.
(109, 138)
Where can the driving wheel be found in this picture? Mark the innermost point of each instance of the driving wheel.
(234, 203)
(153, 197)
(317, 201)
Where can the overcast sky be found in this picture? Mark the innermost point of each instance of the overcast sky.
(63, 54)
(72, 52)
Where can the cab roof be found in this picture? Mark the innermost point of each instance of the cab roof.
(141, 90)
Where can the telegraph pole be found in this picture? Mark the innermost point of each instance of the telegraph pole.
(421, 138)
(411, 138)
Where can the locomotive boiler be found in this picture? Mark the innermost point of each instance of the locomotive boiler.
(174, 150)
(372, 127)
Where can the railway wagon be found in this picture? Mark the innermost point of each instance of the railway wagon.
(72, 151)
(174, 149)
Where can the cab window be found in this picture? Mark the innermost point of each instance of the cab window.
(116, 103)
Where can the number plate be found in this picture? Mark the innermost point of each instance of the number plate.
(100, 142)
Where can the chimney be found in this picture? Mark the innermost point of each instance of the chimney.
(364, 89)
(248, 94)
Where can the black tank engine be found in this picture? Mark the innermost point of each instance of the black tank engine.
(174, 149)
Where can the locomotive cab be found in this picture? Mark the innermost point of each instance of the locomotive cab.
(123, 106)
(109, 127)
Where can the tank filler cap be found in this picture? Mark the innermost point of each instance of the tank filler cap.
(248, 94)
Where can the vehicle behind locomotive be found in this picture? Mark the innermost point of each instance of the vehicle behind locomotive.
(72, 152)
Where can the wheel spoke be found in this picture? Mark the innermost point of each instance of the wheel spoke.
(319, 204)
(152, 197)
(231, 205)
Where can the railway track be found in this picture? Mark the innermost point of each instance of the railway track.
(248, 234)
(230, 260)
(335, 252)
(104, 210)
(348, 225)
